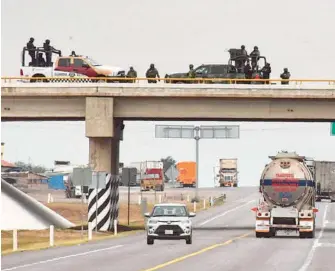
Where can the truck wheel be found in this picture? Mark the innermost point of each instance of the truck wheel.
(38, 80)
(150, 241)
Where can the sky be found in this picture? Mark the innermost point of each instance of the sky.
(172, 34)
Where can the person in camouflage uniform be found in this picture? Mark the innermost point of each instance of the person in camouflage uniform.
(285, 76)
(191, 73)
(132, 74)
(152, 72)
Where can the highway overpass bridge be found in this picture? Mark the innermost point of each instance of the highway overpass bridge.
(105, 106)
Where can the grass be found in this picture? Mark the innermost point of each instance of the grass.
(76, 213)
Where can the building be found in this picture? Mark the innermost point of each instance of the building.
(7, 166)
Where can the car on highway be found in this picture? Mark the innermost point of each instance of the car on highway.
(169, 221)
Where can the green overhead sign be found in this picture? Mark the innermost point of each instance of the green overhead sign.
(332, 129)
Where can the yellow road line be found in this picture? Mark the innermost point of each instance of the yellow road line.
(196, 253)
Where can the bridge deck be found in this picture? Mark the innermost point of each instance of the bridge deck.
(16, 89)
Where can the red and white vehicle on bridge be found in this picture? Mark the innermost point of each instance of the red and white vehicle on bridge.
(67, 66)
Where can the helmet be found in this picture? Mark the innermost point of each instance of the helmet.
(191, 66)
(152, 65)
(256, 48)
(242, 47)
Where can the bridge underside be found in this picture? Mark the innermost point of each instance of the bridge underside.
(170, 108)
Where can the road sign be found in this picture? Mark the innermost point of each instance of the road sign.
(82, 176)
(332, 129)
(129, 176)
(224, 131)
(172, 173)
(98, 179)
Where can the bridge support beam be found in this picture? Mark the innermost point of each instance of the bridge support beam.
(104, 133)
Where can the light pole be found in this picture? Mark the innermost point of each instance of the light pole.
(197, 132)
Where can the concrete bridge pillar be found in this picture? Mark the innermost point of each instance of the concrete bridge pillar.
(104, 133)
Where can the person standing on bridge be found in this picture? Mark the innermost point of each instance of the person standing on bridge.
(191, 73)
(152, 72)
(132, 74)
(48, 49)
(266, 70)
(255, 54)
(32, 50)
(285, 76)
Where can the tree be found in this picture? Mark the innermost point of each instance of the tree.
(168, 162)
(30, 167)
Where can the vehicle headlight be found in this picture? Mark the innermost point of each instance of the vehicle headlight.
(151, 221)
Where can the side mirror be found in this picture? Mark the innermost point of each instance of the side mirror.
(146, 214)
(191, 214)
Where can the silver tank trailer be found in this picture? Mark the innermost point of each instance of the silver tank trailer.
(287, 181)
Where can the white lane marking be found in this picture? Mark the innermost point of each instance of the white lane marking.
(227, 212)
(61, 258)
(316, 243)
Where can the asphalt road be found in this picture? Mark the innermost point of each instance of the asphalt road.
(223, 240)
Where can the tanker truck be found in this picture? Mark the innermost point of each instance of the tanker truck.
(287, 201)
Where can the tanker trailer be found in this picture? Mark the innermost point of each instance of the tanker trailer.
(288, 197)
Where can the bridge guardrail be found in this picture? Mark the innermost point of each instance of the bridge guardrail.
(21, 79)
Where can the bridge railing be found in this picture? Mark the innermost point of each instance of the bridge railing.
(297, 82)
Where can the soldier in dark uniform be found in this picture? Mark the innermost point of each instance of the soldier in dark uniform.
(191, 73)
(73, 53)
(266, 70)
(32, 50)
(132, 74)
(248, 71)
(152, 72)
(255, 54)
(48, 52)
(285, 76)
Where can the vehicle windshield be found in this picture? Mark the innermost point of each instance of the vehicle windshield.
(169, 211)
(92, 62)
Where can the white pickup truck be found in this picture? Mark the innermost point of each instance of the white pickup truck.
(67, 66)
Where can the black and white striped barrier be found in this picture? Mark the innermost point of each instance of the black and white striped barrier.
(99, 211)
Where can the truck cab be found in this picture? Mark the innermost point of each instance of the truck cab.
(67, 66)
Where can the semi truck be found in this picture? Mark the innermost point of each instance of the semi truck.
(153, 176)
(287, 200)
(228, 172)
(325, 180)
(187, 173)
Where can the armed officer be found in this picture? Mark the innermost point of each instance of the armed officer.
(266, 70)
(48, 52)
(152, 72)
(285, 76)
(191, 72)
(255, 54)
(132, 74)
(32, 50)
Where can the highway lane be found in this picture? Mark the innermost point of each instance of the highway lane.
(133, 253)
(223, 240)
(280, 253)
